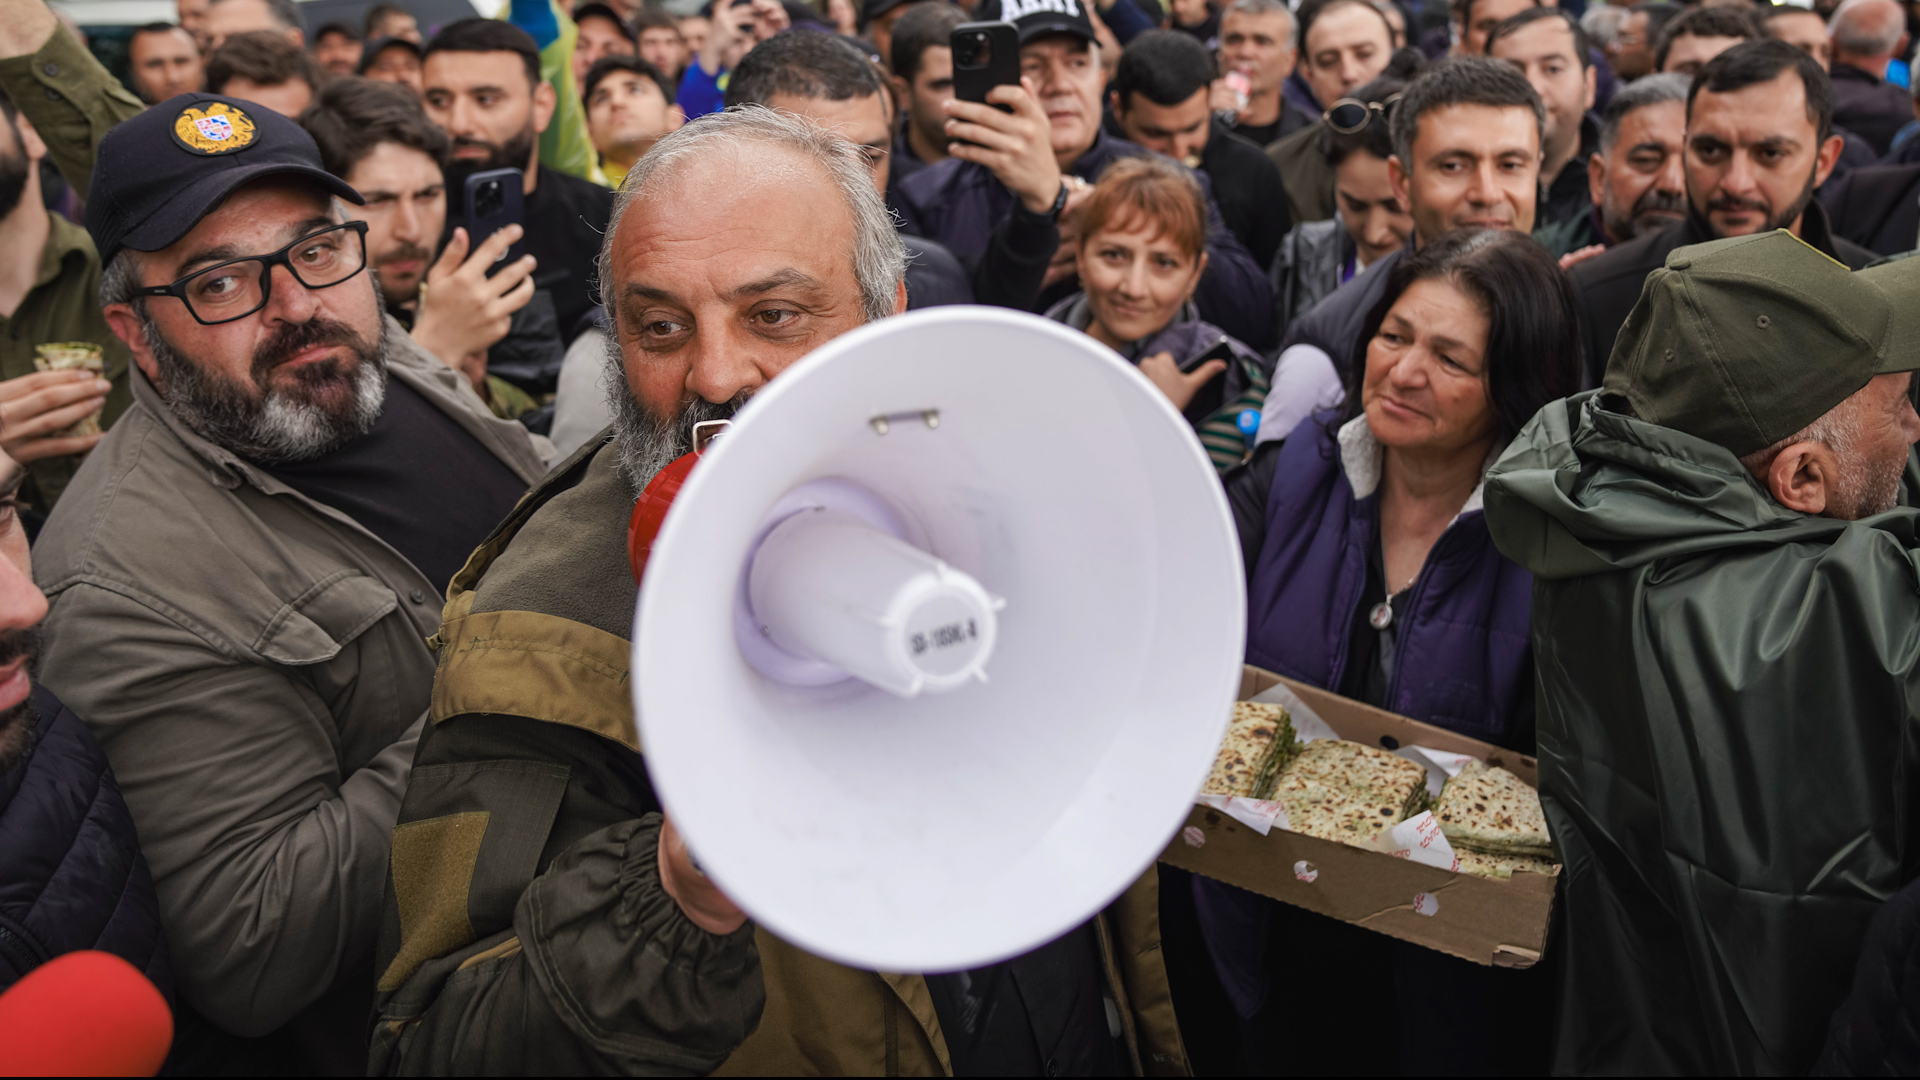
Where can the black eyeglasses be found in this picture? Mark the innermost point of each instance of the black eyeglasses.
(239, 287)
(1350, 116)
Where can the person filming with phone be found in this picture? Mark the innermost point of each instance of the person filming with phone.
(483, 87)
(1026, 146)
(374, 136)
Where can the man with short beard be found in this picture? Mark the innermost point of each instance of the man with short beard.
(1759, 141)
(1634, 177)
(244, 571)
(483, 85)
(583, 938)
(1724, 620)
(71, 873)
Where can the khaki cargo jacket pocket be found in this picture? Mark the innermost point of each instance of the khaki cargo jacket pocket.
(314, 626)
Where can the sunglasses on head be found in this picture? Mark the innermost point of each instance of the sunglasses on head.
(1349, 116)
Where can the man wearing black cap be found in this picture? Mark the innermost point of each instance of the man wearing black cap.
(394, 60)
(1724, 618)
(337, 47)
(1005, 197)
(243, 574)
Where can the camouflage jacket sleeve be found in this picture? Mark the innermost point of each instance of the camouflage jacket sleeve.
(71, 100)
(526, 929)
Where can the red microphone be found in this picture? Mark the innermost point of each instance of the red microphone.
(84, 1014)
(650, 512)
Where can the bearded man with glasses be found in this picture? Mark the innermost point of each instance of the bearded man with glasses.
(244, 572)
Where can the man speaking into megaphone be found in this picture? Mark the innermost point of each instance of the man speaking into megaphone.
(541, 916)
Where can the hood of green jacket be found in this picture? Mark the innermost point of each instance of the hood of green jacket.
(1586, 490)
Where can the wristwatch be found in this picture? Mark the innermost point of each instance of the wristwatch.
(1060, 200)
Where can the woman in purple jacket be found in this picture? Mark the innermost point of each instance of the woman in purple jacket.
(1370, 573)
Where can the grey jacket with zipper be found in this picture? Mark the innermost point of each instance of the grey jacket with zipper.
(255, 665)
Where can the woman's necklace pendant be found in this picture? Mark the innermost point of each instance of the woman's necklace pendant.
(1381, 616)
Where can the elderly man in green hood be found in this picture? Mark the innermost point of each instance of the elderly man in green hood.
(1726, 617)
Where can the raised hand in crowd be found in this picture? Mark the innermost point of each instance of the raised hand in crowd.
(1016, 145)
(463, 312)
(769, 18)
(36, 410)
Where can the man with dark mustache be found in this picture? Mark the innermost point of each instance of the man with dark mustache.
(483, 86)
(71, 874)
(244, 571)
(1759, 142)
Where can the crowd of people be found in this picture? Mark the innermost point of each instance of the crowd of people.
(1555, 362)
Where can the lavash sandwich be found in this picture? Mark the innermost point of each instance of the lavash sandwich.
(1347, 791)
(1501, 866)
(1493, 812)
(1259, 742)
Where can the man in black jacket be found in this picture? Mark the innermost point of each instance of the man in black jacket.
(825, 78)
(1759, 141)
(71, 873)
(1158, 99)
(1547, 45)
(1877, 207)
(483, 86)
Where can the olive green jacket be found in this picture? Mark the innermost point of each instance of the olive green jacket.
(72, 102)
(254, 663)
(1729, 733)
(525, 928)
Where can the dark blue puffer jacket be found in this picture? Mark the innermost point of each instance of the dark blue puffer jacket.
(71, 873)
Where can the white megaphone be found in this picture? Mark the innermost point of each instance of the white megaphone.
(936, 645)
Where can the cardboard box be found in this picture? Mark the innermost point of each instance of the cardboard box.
(1485, 920)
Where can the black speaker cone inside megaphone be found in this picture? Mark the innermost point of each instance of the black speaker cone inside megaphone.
(925, 696)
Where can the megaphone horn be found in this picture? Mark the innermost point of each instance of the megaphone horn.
(936, 645)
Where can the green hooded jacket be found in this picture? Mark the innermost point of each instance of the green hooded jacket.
(1727, 722)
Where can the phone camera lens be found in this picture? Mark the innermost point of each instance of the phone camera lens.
(489, 199)
(975, 51)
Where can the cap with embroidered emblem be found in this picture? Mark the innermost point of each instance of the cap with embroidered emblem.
(1746, 341)
(160, 172)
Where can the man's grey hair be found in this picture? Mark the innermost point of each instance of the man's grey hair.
(1864, 487)
(1868, 27)
(1465, 80)
(1639, 94)
(1269, 7)
(1603, 22)
(284, 12)
(879, 259)
(647, 442)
